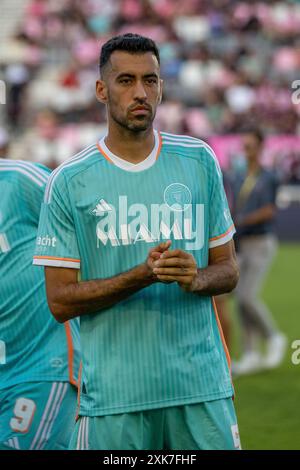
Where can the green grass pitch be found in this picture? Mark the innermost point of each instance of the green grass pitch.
(268, 403)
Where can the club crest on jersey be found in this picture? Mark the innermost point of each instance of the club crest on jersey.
(178, 197)
(127, 224)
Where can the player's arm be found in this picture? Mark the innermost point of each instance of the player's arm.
(267, 209)
(220, 276)
(263, 214)
(68, 298)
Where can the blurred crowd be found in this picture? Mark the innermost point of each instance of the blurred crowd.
(227, 64)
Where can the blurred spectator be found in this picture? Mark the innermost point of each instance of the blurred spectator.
(48, 142)
(4, 143)
(254, 196)
(17, 77)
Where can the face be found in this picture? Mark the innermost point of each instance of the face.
(252, 147)
(131, 88)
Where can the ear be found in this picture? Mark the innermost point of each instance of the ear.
(161, 91)
(101, 91)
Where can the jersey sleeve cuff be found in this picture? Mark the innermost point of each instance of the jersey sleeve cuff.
(56, 262)
(223, 238)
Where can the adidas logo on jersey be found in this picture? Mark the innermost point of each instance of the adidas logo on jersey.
(101, 208)
(130, 224)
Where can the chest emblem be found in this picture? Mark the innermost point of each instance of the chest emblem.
(177, 196)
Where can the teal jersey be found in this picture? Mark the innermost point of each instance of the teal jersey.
(33, 346)
(161, 346)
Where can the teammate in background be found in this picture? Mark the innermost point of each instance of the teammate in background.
(254, 195)
(154, 371)
(39, 358)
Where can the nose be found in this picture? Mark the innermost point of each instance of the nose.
(139, 91)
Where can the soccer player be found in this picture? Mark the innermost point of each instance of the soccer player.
(143, 241)
(39, 358)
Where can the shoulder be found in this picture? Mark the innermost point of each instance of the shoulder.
(190, 147)
(25, 172)
(72, 167)
(270, 176)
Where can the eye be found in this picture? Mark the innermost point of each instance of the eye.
(151, 81)
(125, 81)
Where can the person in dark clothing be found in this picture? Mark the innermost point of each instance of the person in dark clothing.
(254, 209)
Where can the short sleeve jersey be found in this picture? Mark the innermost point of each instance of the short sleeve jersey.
(161, 346)
(33, 346)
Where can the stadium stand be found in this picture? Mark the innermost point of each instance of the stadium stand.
(226, 64)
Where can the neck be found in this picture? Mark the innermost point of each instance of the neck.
(132, 146)
(253, 166)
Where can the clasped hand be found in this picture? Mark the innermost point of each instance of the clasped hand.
(173, 266)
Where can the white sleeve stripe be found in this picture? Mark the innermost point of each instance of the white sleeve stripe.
(69, 160)
(195, 144)
(57, 170)
(56, 263)
(184, 143)
(222, 240)
(179, 137)
(24, 172)
(186, 139)
(28, 167)
(189, 143)
(72, 161)
(35, 169)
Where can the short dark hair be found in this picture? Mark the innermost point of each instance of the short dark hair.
(256, 132)
(129, 42)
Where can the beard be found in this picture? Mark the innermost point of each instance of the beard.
(133, 123)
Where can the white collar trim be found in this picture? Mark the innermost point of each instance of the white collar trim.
(128, 166)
